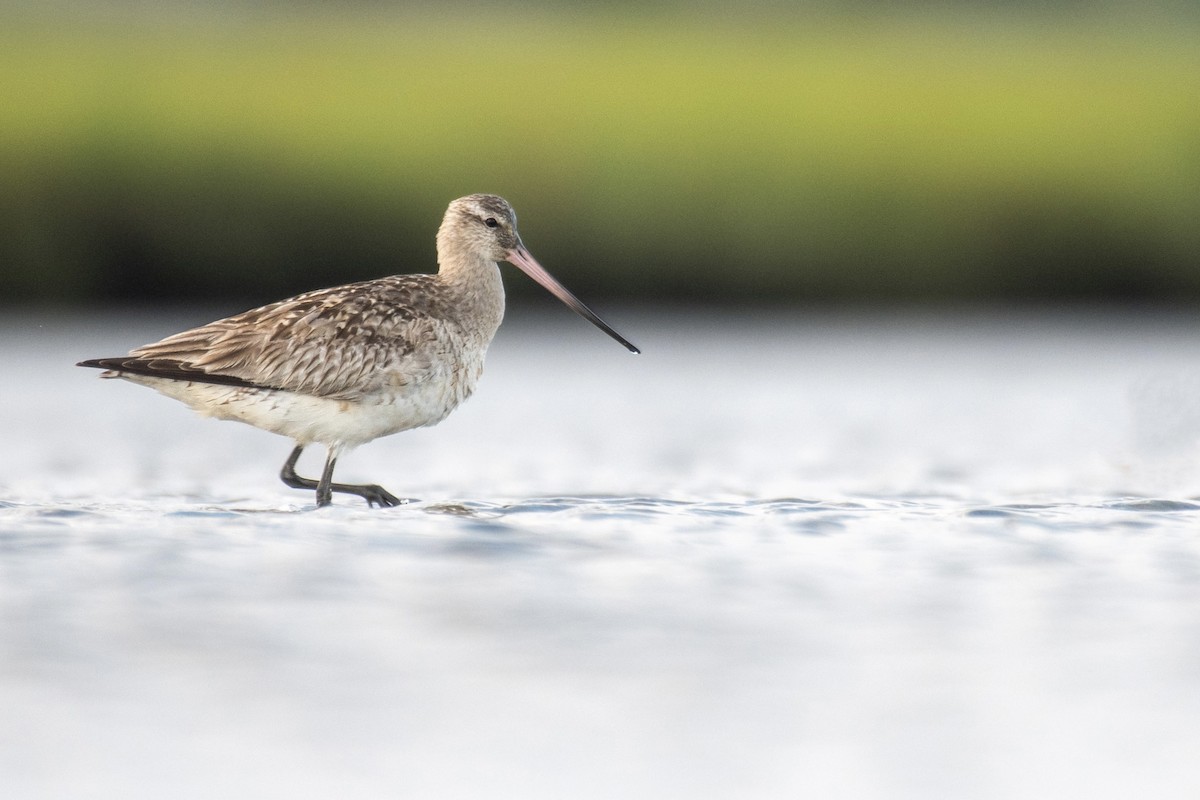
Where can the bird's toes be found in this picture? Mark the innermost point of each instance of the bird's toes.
(377, 495)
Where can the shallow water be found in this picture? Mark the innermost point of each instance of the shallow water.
(776, 555)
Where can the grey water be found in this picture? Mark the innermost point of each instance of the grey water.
(783, 554)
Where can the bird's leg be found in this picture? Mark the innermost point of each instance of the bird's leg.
(325, 487)
(373, 494)
(288, 473)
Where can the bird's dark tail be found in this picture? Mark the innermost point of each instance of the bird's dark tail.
(164, 368)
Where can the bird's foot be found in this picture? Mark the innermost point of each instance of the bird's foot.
(377, 495)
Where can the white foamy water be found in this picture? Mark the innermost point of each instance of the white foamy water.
(784, 555)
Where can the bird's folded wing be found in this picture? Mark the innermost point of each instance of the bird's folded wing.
(329, 343)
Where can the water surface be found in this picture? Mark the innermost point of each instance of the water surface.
(776, 555)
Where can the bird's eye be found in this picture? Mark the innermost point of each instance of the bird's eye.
(491, 222)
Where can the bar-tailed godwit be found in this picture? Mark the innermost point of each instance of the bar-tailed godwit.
(343, 366)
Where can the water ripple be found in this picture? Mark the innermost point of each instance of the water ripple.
(803, 515)
(1153, 505)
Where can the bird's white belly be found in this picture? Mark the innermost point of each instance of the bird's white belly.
(309, 419)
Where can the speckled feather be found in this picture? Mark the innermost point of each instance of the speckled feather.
(339, 343)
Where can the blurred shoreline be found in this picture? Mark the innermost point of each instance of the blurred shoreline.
(831, 153)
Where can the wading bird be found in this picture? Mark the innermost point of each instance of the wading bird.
(343, 366)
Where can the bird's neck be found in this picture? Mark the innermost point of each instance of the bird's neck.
(475, 284)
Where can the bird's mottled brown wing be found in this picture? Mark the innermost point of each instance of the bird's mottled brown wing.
(330, 343)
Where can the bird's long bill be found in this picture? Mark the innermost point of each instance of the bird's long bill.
(521, 258)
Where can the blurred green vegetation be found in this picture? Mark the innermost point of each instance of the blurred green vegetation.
(660, 156)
